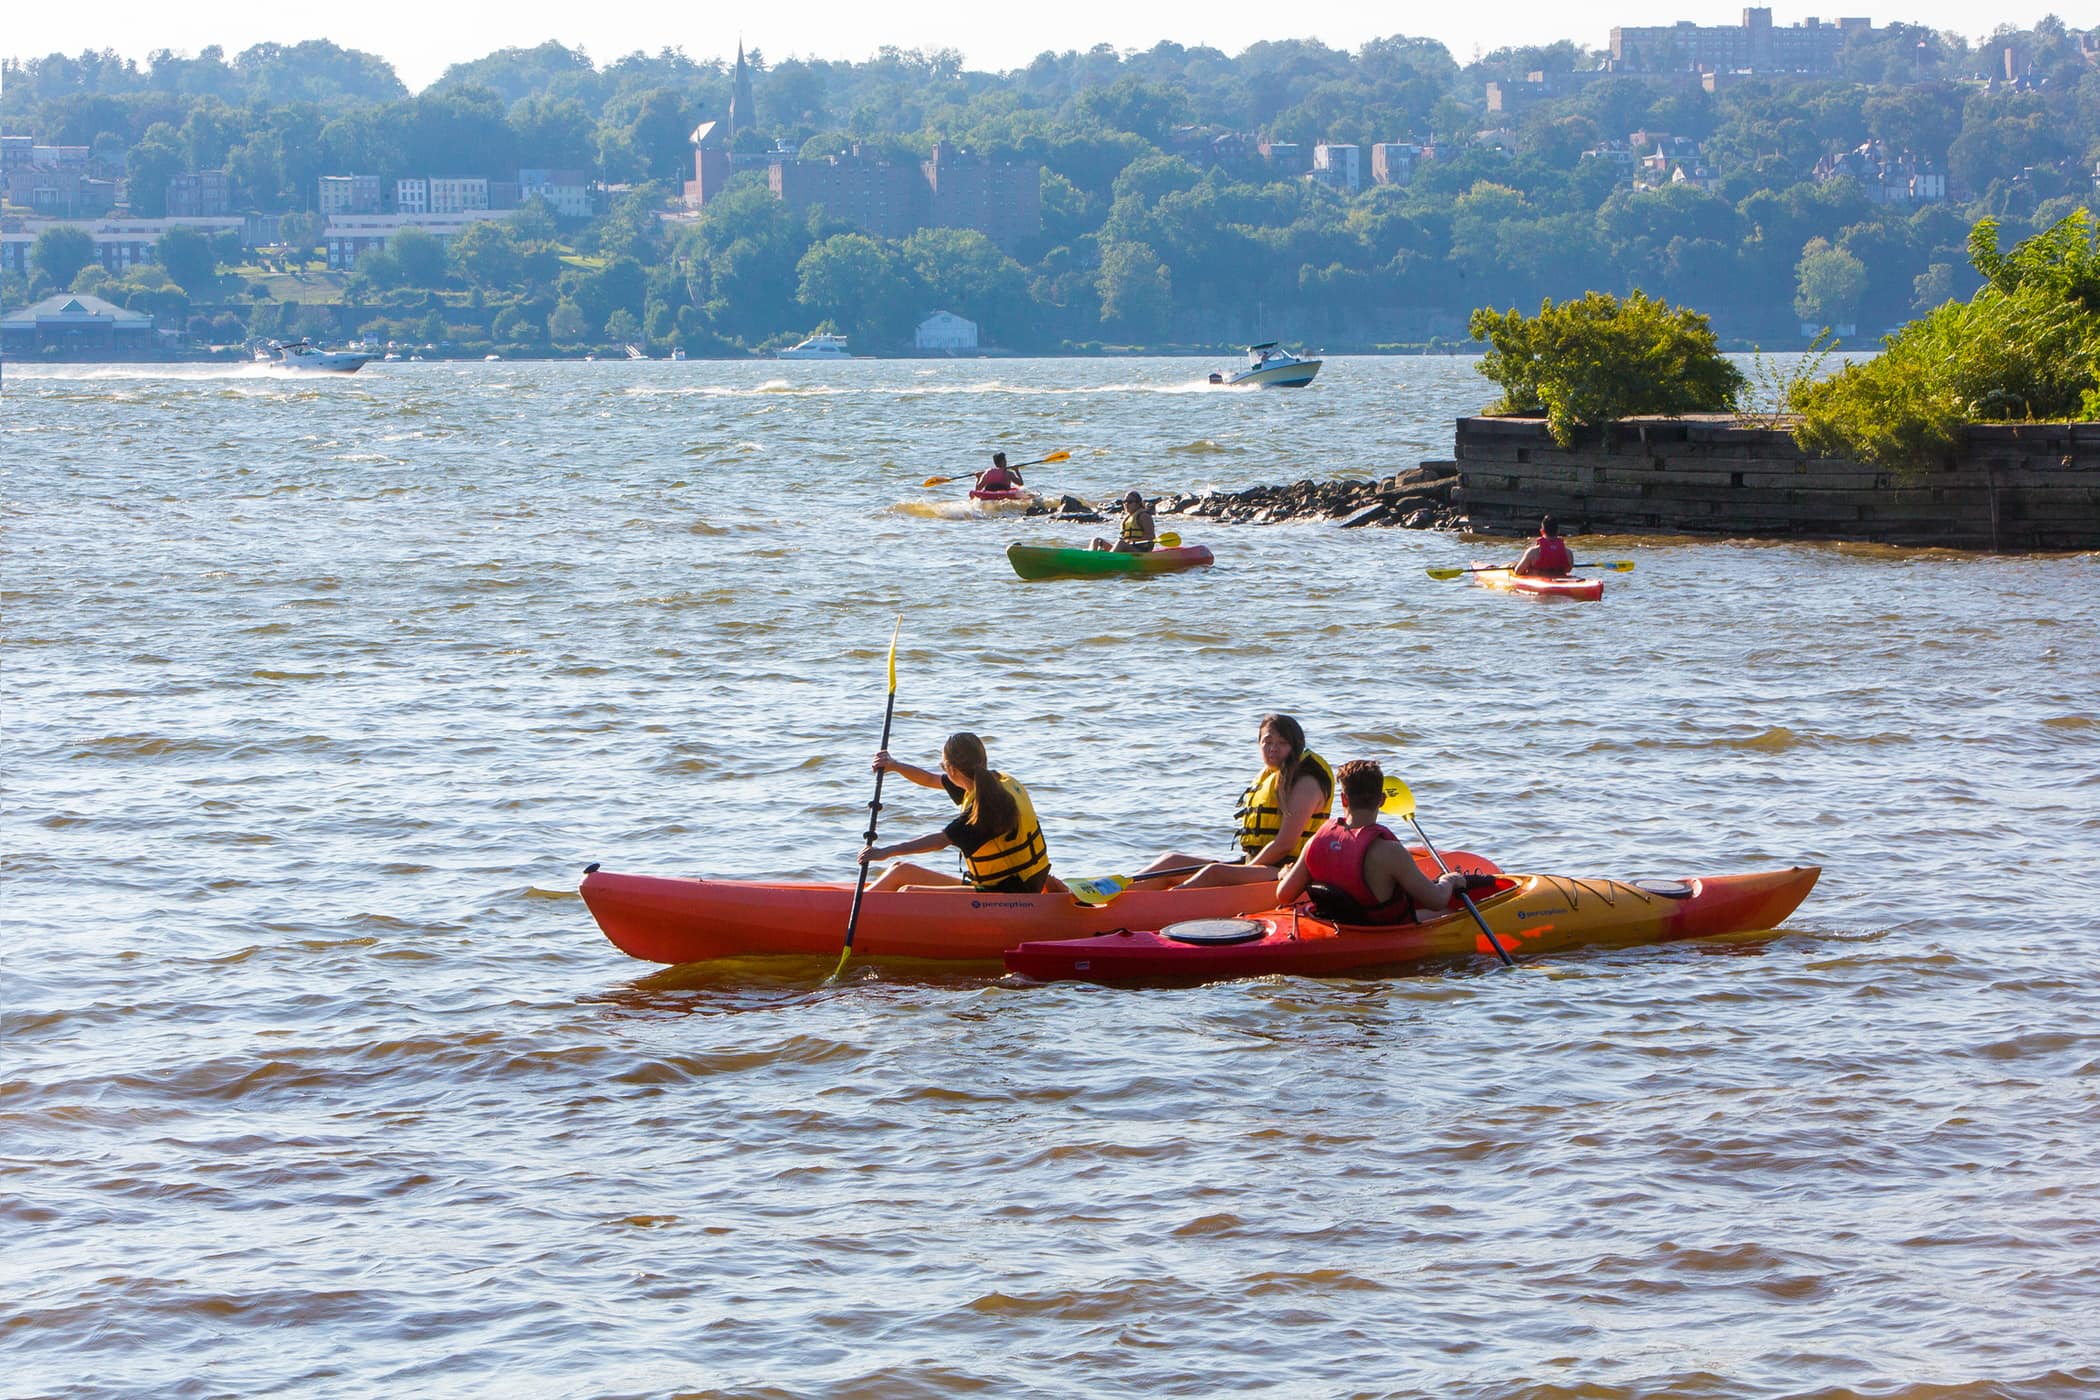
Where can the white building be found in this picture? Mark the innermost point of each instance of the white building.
(568, 192)
(350, 236)
(455, 195)
(944, 330)
(1339, 166)
(411, 196)
(120, 244)
(1394, 162)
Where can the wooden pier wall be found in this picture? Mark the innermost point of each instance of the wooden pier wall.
(2026, 486)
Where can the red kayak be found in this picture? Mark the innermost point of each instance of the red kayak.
(1530, 914)
(683, 920)
(1010, 493)
(1587, 590)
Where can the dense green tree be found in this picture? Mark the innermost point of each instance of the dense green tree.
(155, 160)
(60, 252)
(1136, 289)
(1829, 284)
(487, 255)
(420, 256)
(866, 287)
(187, 256)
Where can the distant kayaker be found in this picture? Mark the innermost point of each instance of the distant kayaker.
(1369, 865)
(1138, 536)
(1286, 802)
(1548, 556)
(1001, 841)
(999, 476)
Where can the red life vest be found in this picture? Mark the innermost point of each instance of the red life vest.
(1554, 559)
(995, 479)
(1335, 856)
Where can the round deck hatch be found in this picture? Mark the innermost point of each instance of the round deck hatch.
(1214, 931)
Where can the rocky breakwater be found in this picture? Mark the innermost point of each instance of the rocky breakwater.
(1417, 499)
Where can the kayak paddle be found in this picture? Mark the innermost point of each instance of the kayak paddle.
(944, 480)
(1103, 889)
(1616, 566)
(860, 884)
(1169, 540)
(1401, 803)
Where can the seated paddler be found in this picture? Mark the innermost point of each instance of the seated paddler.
(1357, 871)
(1548, 555)
(1284, 805)
(999, 476)
(1002, 846)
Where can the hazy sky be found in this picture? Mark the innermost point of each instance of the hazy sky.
(421, 39)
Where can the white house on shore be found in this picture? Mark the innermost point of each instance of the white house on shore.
(944, 330)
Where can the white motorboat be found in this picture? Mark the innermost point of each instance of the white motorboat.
(678, 352)
(305, 355)
(635, 352)
(822, 346)
(1269, 367)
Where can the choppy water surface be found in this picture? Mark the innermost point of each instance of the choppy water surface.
(317, 1078)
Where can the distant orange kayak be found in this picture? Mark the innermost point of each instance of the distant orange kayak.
(671, 920)
(1587, 590)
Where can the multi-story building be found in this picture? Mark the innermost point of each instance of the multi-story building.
(120, 244)
(58, 194)
(454, 194)
(567, 192)
(1394, 162)
(17, 153)
(1338, 166)
(1002, 200)
(1756, 45)
(350, 236)
(1886, 177)
(199, 194)
(348, 194)
(1285, 159)
(411, 196)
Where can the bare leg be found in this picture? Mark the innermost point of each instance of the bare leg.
(1172, 860)
(1212, 876)
(905, 873)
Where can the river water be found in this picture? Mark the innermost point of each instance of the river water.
(316, 1077)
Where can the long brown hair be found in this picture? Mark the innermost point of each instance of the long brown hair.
(990, 805)
(1287, 772)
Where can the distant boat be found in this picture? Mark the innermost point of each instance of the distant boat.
(634, 352)
(678, 352)
(305, 355)
(1271, 368)
(817, 347)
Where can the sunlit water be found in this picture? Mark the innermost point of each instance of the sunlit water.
(317, 1078)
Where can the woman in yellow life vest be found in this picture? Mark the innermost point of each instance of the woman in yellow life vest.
(1002, 844)
(1286, 803)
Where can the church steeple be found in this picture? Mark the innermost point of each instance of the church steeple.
(743, 108)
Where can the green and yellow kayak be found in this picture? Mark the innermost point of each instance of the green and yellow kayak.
(1032, 561)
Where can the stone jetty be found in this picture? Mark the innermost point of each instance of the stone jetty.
(1416, 499)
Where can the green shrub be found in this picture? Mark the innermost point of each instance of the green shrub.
(2025, 348)
(1587, 362)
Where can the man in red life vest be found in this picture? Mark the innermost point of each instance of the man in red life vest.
(1355, 855)
(999, 476)
(1548, 556)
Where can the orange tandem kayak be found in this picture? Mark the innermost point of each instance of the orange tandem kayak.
(673, 920)
(1530, 914)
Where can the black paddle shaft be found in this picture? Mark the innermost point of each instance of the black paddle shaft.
(874, 812)
(1464, 898)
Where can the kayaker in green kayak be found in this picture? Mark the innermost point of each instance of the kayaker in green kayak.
(1286, 803)
(1372, 870)
(1003, 850)
(1138, 536)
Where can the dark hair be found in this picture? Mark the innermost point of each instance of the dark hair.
(1287, 772)
(998, 459)
(1549, 527)
(1362, 782)
(990, 805)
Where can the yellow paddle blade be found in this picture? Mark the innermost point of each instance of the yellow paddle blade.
(893, 652)
(937, 480)
(1445, 573)
(1399, 802)
(1098, 891)
(1058, 457)
(1170, 540)
(1620, 566)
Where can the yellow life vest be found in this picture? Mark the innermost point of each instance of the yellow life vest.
(1135, 531)
(1023, 855)
(1261, 806)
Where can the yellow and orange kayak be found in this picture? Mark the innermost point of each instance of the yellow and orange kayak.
(671, 920)
(1587, 590)
(1530, 915)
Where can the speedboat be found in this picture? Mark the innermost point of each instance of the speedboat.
(305, 355)
(822, 346)
(678, 352)
(635, 352)
(1269, 367)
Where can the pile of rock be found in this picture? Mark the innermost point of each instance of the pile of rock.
(1419, 499)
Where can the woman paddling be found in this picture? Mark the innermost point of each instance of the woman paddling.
(1002, 844)
(1286, 802)
(1548, 556)
(999, 476)
(1373, 870)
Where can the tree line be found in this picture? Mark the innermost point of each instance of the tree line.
(1145, 240)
